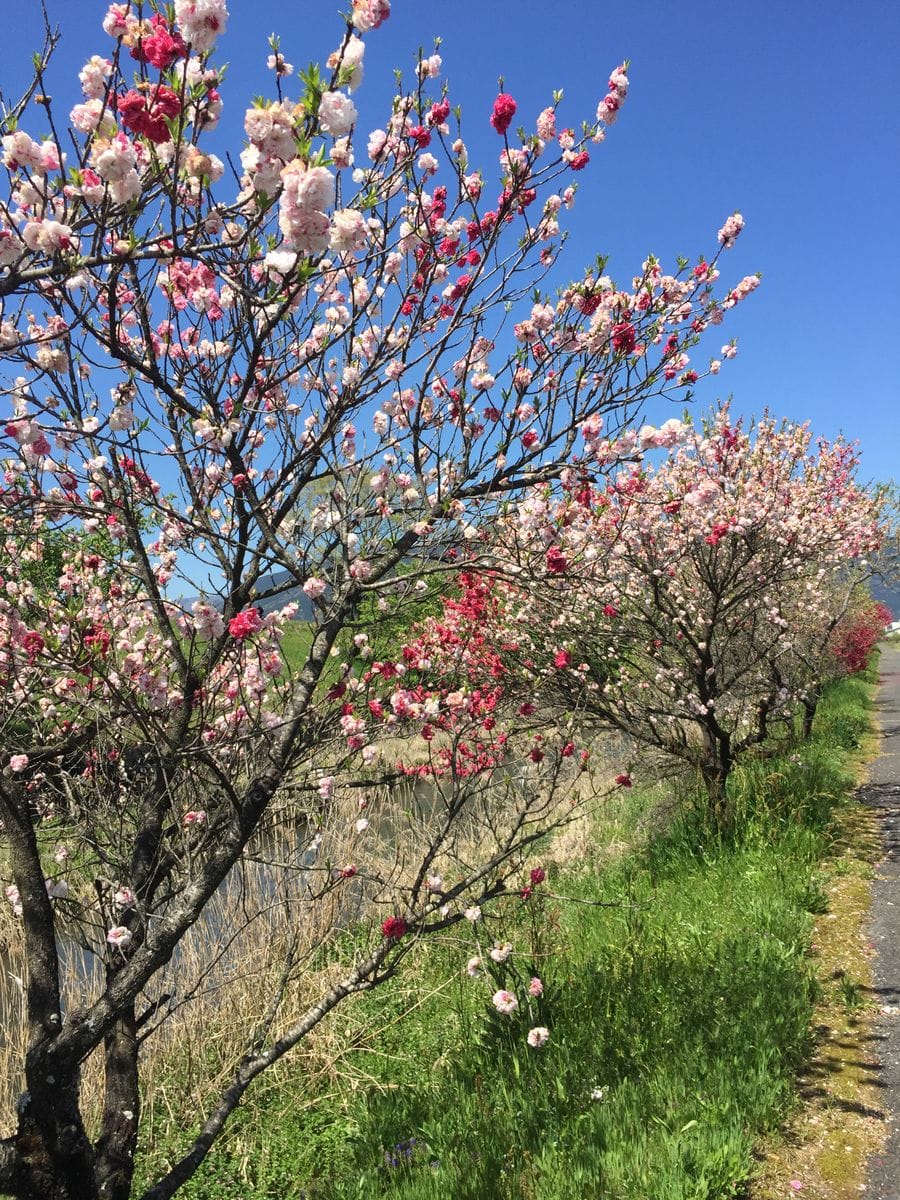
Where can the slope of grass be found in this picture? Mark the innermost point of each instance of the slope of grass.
(678, 992)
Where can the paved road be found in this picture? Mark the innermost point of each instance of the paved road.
(882, 792)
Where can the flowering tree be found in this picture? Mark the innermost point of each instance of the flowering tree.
(302, 377)
(708, 583)
(857, 634)
(834, 639)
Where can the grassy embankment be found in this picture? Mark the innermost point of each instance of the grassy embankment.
(679, 994)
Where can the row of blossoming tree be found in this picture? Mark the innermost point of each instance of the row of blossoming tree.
(303, 375)
(715, 587)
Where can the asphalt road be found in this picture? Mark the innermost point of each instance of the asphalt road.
(882, 792)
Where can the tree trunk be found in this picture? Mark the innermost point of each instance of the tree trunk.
(715, 770)
(810, 704)
(121, 1110)
(715, 779)
(57, 1162)
(54, 1158)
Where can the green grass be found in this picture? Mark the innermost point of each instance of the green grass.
(296, 642)
(683, 991)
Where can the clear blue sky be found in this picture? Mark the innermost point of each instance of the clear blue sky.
(787, 111)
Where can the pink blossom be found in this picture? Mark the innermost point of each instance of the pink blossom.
(18, 762)
(546, 125)
(370, 14)
(48, 236)
(21, 152)
(93, 76)
(314, 588)
(350, 59)
(430, 68)
(535, 987)
(474, 965)
(277, 63)
(730, 231)
(618, 81)
(348, 231)
(504, 1002)
(337, 114)
(120, 936)
(201, 22)
(326, 787)
(160, 47)
(195, 817)
(245, 624)
(503, 113)
(118, 20)
(207, 622)
(376, 143)
(306, 191)
(539, 1036)
(394, 928)
(342, 153)
(148, 114)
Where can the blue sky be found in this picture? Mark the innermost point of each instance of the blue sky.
(788, 112)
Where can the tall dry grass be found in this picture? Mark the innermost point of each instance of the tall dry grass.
(284, 905)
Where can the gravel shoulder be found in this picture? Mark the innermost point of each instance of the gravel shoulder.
(882, 795)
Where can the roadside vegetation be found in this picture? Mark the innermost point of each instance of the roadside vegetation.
(678, 993)
(495, 875)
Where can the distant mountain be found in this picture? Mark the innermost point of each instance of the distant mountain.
(888, 594)
(292, 594)
(888, 591)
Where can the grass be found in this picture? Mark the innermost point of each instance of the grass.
(296, 641)
(679, 995)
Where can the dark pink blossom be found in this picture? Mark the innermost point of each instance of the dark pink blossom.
(147, 114)
(245, 624)
(504, 111)
(160, 47)
(394, 928)
(624, 338)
